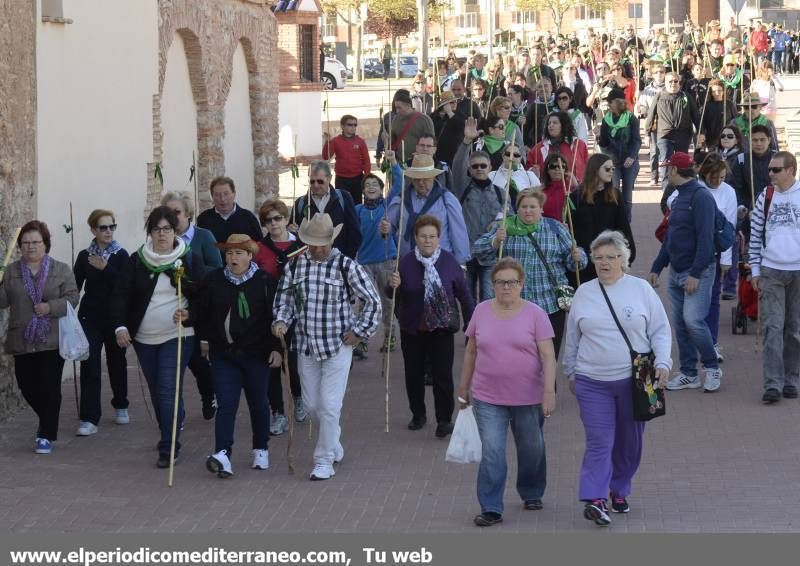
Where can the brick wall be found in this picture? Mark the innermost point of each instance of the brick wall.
(211, 31)
(18, 146)
(289, 49)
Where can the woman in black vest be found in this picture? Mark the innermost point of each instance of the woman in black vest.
(234, 313)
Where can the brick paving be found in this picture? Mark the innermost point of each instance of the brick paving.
(716, 463)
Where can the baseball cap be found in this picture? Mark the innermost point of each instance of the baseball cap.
(680, 160)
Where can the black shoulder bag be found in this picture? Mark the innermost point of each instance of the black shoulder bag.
(564, 293)
(648, 398)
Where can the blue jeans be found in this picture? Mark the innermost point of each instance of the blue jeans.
(654, 157)
(665, 150)
(688, 314)
(158, 363)
(526, 425)
(777, 61)
(230, 374)
(712, 319)
(627, 177)
(479, 279)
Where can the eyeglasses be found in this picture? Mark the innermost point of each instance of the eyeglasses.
(499, 126)
(563, 97)
(558, 165)
(106, 227)
(317, 181)
(506, 283)
(605, 258)
(272, 219)
(479, 166)
(162, 229)
(727, 137)
(776, 170)
(31, 244)
(515, 155)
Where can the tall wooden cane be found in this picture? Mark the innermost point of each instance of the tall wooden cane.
(288, 387)
(394, 298)
(507, 193)
(179, 271)
(564, 181)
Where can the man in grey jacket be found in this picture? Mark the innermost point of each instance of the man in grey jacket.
(676, 119)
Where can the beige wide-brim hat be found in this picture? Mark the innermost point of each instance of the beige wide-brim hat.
(422, 168)
(752, 100)
(319, 231)
(446, 98)
(239, 242)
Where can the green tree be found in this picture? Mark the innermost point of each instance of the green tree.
(559, 8)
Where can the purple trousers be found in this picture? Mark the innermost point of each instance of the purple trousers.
(613, 438)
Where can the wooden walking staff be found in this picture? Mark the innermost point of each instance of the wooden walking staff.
(507, 193)
(287, 387)
(179, 271)
(12, 243)
(394, 296)
(71, 231)
(569, 211)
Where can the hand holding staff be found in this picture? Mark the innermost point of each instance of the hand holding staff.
(12, 243)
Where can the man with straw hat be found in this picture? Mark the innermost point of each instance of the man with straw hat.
(751, 116)
(317, 292)
(428, 197)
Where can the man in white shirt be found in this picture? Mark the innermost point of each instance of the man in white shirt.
(775, 265)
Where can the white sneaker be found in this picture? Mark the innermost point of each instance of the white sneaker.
(712, 381)
(86, 428)
(219, 464)
(718, 351)
(681, 381)
(322, 472)
(260, 459)
(122, 416)
(338, 455)
(300, 412)
(278, 424)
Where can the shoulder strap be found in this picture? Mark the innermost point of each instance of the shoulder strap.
(540, 253)
(614, 314)
(406, 128)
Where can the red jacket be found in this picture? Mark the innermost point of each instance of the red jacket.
(759, 41)
(352, 156)
(538, 153)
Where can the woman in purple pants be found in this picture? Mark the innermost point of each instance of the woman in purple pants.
(598, 364)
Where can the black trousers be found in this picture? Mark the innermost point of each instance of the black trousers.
(352, 185)
(201, 370)
(275, 391)
(39, 380)
(91, 372)
(558, 320)
(438, 345)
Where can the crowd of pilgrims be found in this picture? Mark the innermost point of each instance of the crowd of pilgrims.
(531, 157)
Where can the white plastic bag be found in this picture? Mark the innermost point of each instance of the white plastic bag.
(72, 342)
(465, 442)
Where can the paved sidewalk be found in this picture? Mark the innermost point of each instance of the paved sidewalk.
(716, 463)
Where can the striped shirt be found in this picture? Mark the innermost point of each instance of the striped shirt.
(315, 296)
(556, 243)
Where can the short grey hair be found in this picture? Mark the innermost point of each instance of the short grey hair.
(185, 197)
(616, 239)
(319, 165)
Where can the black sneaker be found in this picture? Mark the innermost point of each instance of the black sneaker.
(443, 430)
(488, 519)
(209, 408)
(534, 505)
(619, 504)
(598, 512)
(771, 396)
(417, 423)
(163, 460)
(789, 392)
(728, 296)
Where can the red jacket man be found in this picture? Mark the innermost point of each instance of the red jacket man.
(352, 157)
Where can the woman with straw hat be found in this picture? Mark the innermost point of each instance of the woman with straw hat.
(233, 311)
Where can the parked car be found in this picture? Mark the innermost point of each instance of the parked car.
(409, 66)
(334, 74)
(373, 67)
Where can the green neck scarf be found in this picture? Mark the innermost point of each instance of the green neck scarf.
(243, 306)
(621, 123)
(744, 125)
(516, 227)
(510, 127)
(493, 144)
(734, 81)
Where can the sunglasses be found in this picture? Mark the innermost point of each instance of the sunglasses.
(479, 166)
(352, 124)
(272, 219)
(558, 165)
(776, 170)
(317, 181)
(727, 137)
(106, 227)
(515, 156)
